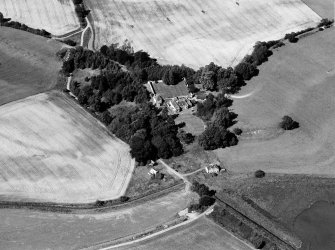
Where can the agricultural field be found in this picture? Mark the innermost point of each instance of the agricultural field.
(35, 230)
(324, 8)
(297, 81)
(201, 234)
(53, 150)
(195, 32)
(55, 16)
(28, 64)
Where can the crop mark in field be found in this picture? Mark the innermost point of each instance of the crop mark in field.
(57, 17)
(71, 159)
(179, 33)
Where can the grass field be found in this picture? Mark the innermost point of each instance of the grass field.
(53, 150)
(27, 229)
(297, 81)
(324, 8)
(193, 124)
(56, 16)
(201, 234)
(315, 226)
(195, 32)
(28, 64)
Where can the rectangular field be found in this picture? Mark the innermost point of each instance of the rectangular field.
(196, 32)
(201, 234)
(53, 150)
(56, 16)
(28, 64)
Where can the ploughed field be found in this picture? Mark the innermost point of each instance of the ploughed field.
(28, 64)
(55, 16)
(53, 150)
(195, 32)
(297, 81)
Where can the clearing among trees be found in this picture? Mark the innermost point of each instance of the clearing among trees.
(195, 32)
(28, 64)
(53, 150)
(56, 16)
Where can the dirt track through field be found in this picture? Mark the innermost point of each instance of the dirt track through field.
(52, 150)
(194, 32)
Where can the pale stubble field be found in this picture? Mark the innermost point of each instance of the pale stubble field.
(53, 150)
(55, 16)
(195, 32)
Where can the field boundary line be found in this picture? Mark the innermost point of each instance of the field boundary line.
(89, 207)
(148, 233)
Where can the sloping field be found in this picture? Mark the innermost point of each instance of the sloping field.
(28, 64)
(56, 16)
(28, 229)
(196, 32)
(201, 234)
(325, 8)
(298, 81)
(53, 150)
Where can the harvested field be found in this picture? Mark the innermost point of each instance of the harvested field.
(53, 150)
(195, 32)
(28, 64)
(56, 16)
(40, 230)
(298, 81)
(201, 234)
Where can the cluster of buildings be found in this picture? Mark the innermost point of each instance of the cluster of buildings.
(175, 98)
(214, 168)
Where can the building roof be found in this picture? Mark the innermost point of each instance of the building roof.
(169, 91)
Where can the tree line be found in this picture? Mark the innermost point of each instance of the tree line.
(20, 26)
(81, 12)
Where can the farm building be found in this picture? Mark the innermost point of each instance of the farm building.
(173, 105)
(213, 169)
(157, 100)
(168, 91)
(152, 171)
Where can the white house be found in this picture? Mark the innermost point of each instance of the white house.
(152, 172)
(213, 169)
